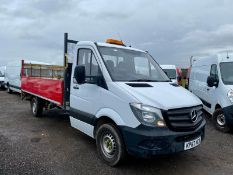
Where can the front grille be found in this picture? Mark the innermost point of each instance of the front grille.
(181, 119)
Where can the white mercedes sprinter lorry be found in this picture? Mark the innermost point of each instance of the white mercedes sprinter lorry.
(120, 97)
(211, 79)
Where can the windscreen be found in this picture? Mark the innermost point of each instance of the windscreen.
(171, 73)
(131, 65)
(226, 69)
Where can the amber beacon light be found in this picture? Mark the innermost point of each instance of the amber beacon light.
(114, 41)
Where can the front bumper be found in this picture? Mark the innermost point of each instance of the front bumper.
(228, 113)
(147, 141)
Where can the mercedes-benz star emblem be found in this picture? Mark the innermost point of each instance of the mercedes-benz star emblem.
(193, 115)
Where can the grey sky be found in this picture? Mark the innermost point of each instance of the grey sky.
(171, 30)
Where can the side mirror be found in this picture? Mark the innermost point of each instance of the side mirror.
(79, 74)
(211, 81)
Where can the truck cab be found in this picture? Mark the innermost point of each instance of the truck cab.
(121, 97)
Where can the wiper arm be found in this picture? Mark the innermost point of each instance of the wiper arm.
(148, 80)
(143, 80)
(165, 81)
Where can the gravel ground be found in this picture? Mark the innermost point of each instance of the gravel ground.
(48, 145)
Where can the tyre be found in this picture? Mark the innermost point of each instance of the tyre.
(36, 106)
(220, 121)
(110, 145)
(9, 90)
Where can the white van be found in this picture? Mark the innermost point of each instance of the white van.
(2, 77)
(171, 72)
(211, 79)
(12, 75)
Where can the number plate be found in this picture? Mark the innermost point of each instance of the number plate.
(192, 143)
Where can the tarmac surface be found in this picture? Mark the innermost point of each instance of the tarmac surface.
(49, 145)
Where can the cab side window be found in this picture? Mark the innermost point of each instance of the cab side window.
(87, 58)
(214, 71)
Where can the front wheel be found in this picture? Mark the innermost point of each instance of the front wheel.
(110, 145)
(9, 90)
(37, 106)
(220, 121)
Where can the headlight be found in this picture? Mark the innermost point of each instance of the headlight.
(148, 115)
(230, 95)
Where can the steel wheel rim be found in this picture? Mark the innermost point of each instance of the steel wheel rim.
(108, 145)
(221, 120)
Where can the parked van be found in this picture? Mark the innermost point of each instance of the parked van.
(2, 77)
(120, 97)
(211, 79)
(172, 72)
(13, 76)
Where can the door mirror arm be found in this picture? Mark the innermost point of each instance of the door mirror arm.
(212, 81)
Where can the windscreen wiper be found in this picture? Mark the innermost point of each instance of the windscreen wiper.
(165, 81)
(148, 80)
(143, 80)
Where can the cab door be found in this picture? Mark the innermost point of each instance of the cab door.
(85, 99)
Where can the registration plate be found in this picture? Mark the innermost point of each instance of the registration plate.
(192, 143)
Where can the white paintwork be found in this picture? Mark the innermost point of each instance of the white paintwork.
(2, 70)
(84, 127)
(173, 67)
(168, 66)
(114, 102)
(2, 78)
(162, 95)
(12, 75)
(200, 70)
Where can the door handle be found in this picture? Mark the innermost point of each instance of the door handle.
(76, 87)
(208, 89)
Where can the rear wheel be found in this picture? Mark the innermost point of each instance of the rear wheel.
(9, 90)
(220, 121)
(37, 106)
(110, 145)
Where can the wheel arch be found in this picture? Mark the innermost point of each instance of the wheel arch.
(107, 115)
(111, 114)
